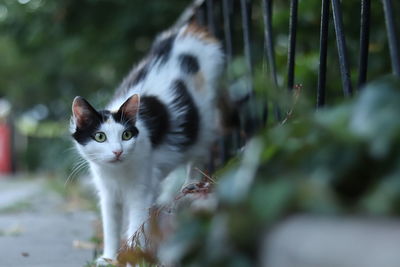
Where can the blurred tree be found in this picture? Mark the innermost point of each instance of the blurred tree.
(54, 50)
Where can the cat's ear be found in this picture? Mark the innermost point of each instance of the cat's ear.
(131, 107)
(83, 112)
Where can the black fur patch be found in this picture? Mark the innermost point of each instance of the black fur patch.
(129, 123)
(140, 75)
(189, 63)
(162, 48)
(156, 118)
(188, 119)
(85, 134)
(104, 114)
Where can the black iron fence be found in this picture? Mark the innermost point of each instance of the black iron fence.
(209, 12)
(221, 15)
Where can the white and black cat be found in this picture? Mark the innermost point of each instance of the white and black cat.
(163, 115)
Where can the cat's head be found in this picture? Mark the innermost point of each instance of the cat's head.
(105, 137)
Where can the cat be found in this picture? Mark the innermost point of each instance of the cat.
(164, 114)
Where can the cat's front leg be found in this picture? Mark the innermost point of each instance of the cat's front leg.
(138, 215)
(111, 213)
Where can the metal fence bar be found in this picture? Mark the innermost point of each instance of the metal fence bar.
(210, 17)
(292, 42)
(392, 36)
(341, 45)
(270, 51)
(200, 15)
(246, 21)
(323, 49)
(364, 42)
(268, 36)
(228, 14)
(206, 15)
(252, 122)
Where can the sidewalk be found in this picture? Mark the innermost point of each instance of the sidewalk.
(318, 241)
(39, 229)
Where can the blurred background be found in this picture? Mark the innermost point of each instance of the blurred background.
(52, 51)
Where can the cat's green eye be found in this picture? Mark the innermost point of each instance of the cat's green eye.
(126, 135)
(100, 137)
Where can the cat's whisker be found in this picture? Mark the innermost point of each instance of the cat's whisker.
(76, 169)
(71, 148)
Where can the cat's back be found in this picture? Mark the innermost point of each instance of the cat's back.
(189, 53)
(177, 84)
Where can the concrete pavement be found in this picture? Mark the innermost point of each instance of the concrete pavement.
(38, 228)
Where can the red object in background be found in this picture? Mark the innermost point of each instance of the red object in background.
(5, 149)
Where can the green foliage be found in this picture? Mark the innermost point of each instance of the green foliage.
(59, 49)
(52, 51)
(337, 161)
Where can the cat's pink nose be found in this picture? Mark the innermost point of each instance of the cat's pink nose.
(117, 153)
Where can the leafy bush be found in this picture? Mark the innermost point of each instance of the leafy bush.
(336, 161)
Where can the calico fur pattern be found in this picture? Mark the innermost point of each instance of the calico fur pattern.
(166, 111)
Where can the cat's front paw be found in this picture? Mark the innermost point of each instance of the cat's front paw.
(104, 261)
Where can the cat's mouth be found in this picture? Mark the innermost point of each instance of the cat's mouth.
(115, 160)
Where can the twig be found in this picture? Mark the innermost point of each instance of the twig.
(206, 175)
(296, 93)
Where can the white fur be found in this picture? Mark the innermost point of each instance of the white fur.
(129, 188)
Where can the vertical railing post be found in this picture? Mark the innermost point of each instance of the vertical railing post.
(364, 42)
(200, 15)
(323, 50)
(269, 49)
(392, 36)
(341, 46)
(230, 142)
(292, 42)
(227, 7)
(268, 36)
(245, 6)
(246, 22)
(210, 17)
